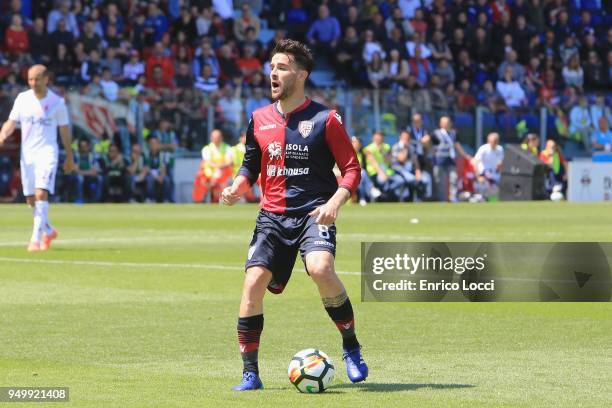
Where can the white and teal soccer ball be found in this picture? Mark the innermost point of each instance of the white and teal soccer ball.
(311, 371)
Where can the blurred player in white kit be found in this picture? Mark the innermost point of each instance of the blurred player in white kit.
(39, 112)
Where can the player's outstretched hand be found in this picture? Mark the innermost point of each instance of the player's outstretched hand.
(229, 198)
(68, 166)
(326, 214)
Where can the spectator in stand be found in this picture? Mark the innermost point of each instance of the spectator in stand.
(86, 178)
(16, 37)
(230, 109)
(446, 149)
(487, 162)
(63, 13)
(531, 143)
(348, 58)
(465, 97)
(408, 7)
(297, 20)
(91, 67)
(569, 48)
(601, 138)
(573, 75)
(215, 171)
(227, 63)
(366, 190)
(133, 68)
(510, 90)
(159, 58)
(114, 170)
(594, 78)
(518, 71)
(377, 75)
(396, 69)
(156, 24)
(184, 78)
(207, 82)
(41, 49)
(110, 89)
(62, 35)
(255, 100)
(157, 180)
(371, 47)
(186, 25)
(205, 55)
(445, 72)
(396, 20)
(557, 164)
(111, 17)
(419, 67)
(113, 63)
(158, 82)
(406, 165)
(137, 172)
(439, 48)
(62, 66)
(599, 109)
(90, 39)
(249, 64)
(324, 33)
(415, 45)
(251, 40)
(247, 19)
(580, 125)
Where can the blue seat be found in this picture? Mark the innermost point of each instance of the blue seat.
(464, 120)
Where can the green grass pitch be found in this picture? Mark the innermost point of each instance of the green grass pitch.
(136, 305)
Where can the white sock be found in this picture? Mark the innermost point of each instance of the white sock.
(40, 219)
(48, 227)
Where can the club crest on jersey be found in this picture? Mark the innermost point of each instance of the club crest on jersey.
(305, 127)
(275, 150)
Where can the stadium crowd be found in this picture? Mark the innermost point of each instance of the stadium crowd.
(171, 61)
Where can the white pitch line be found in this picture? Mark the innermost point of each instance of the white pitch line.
(139, 264)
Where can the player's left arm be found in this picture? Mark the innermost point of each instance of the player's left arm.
(341, 148)
(65, 135)
(7, 130)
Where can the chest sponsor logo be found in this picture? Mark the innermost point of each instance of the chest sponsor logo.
(275, 150)
(267, 127)
(296, 151)
(273, 171)
(42, 121)
(305, 127)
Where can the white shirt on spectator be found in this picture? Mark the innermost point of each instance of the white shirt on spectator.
(232, 109)
(110, 89)
(408, 7)
(573, 77)
(133, 71)
(425, 51)
(488, 158)
(370, 48)
(512, 93)
(224, 8)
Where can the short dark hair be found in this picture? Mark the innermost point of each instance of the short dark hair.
(300, 53)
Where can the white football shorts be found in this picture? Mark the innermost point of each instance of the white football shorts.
(39, 173)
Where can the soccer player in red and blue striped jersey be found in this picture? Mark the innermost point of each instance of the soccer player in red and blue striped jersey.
(294, 144)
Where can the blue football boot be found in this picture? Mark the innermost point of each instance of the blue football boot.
(250, 381)
(356, 368)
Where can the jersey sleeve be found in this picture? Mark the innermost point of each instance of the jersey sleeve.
(251, 164)
(15, 114)
(340, 145)
(206, 153)
(61, 114)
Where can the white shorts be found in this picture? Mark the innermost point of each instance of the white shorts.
(38, 174)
